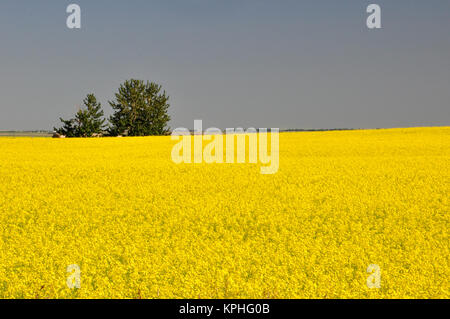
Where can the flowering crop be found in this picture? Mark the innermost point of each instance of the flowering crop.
(140, 226)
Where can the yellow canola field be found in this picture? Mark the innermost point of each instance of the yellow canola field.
(140, 226)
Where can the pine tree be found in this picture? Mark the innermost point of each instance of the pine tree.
(87, 122)
(140, 110)
(68, 129)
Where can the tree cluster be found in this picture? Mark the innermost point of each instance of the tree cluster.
(140, 109)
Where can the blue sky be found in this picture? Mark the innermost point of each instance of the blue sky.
(286, 64)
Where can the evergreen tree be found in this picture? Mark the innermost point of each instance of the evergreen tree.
(68, 129)
(140, 110)
(87, 122)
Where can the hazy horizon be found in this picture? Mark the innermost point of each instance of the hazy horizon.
(282, 130)
(285, 64)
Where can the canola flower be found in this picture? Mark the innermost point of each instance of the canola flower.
(140, 226)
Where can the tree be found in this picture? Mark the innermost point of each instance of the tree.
(140, 110)
(87, 122)
(68, 128)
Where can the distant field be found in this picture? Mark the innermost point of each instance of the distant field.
(25, 134)
(140, 226)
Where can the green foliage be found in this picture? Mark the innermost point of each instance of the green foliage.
(90, 120)
(140, 110)
(87, 122)
(68, 129)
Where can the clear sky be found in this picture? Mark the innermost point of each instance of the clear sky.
(231, 63)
